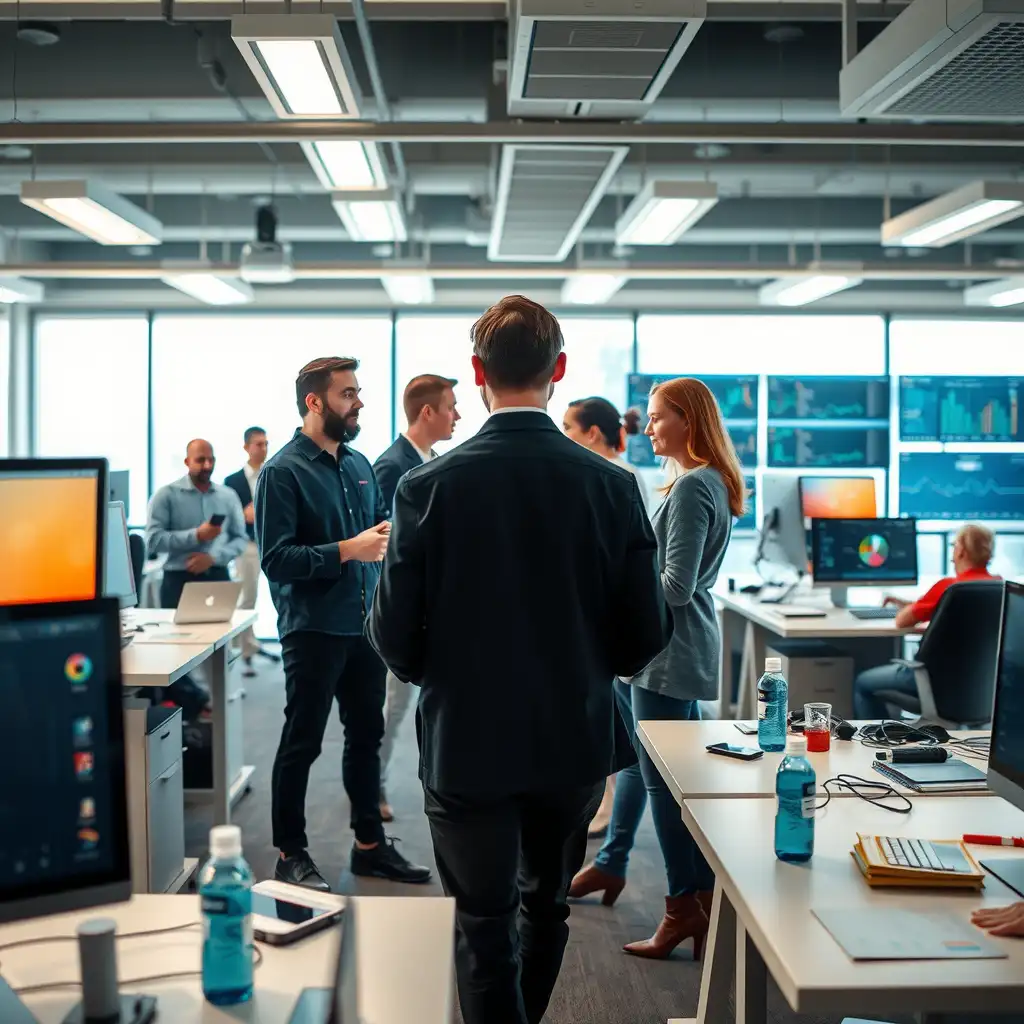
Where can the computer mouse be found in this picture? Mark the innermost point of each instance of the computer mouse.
(750, 588)
(937, 732)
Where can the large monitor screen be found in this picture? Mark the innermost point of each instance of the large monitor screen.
(828, 447)
(63, 815)
(973, 409)
(864, 552)
(1007, 750)
(838, 497)
(828, 398)
(52, 523)
(118, 577)
(748, 520)
(953, 485)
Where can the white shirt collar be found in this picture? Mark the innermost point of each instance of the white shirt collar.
(519, 408)
(250, 473)
(425, 456)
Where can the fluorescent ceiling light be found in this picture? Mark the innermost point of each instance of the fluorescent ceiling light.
(300, 62)
(588, 289)
(409, 289)
(206, 285)
(1007, 292)
(346, 163)
(17, 289)
(663, 211)
(818, 283)
(92, 210)
(956, 215)
(372, 215)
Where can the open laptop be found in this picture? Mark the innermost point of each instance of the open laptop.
(207, 602)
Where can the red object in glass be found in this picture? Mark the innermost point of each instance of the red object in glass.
(817, 740)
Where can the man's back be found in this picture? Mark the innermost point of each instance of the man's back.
(536, 582)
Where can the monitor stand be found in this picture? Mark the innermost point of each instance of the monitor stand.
(1009, 871)
(839, 597)
(12, 1009)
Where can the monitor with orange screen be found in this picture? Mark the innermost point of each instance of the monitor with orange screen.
(52, 520)
(838, 497)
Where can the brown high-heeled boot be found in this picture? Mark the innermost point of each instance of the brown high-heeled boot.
(684, 919)
(593, 879)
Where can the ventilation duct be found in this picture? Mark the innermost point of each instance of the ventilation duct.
(596, 58)
(942, 60)
(545, 197)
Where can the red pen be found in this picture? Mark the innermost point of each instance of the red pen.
(994, 840)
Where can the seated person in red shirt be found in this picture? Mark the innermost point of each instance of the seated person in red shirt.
(972, 552)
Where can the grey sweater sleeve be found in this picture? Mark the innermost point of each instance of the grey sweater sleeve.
(689, 509)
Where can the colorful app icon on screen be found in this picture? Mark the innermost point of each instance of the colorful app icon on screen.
(88, 839)
(78, 669)
(83, 765)
(86, 809)
(81, 729)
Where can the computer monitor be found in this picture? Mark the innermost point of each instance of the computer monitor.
(118, 577)
(838, 497)
(783, 539)
(52, 519)
(1006, 750)
(863, 553)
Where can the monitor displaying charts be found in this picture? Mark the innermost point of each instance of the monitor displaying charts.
(965, 409)
(956, 485)
(864, 552)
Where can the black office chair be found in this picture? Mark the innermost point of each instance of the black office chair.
(137, 546)
(955, 668)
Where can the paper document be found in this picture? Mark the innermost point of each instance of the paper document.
(880, 934)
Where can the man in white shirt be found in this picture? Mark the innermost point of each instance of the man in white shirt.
(429, 405)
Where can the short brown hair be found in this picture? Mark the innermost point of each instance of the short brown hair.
(518, 341)
(315, 377)
(426, 389)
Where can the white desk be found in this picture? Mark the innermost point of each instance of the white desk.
(678, 751)
(403, 963)
(762, 921)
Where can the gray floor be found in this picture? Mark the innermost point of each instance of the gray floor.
(599, 984)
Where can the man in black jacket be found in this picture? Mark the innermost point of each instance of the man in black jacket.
(521, 579)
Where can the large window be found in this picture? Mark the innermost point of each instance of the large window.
(91, 394)
(215, 375)
(956, 347)
(5, 360)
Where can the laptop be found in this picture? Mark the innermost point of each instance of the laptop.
(207, 602)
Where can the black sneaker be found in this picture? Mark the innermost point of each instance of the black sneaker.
(384, 861)
(300, 870)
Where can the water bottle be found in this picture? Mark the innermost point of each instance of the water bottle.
(225, 893)
(794, 817)
(772, 706)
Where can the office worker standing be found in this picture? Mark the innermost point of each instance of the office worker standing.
(429, 406)
(521, 578)
(322, 531)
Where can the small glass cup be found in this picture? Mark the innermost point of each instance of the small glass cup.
(818, 727)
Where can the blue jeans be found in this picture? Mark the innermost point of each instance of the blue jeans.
(685, 866)
(886, 677)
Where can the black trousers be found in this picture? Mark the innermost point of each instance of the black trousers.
(508, 864)
(320, 669)
(186, 692)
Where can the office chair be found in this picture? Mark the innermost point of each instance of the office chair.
(137, 546)
(955, 667)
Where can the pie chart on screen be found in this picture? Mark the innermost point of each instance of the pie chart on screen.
(873, 551)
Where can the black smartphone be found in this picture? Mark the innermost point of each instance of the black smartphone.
(218, 519)
(735, 750)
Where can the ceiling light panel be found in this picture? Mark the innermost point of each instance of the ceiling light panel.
(201, 282)
(346, 164)
(300, 62)
(17, 289)
(371, 215)
(591, 288)
(409, 289)
(803, 289)
(996, 294)
(93, 211)
(663, 211)
(957, 215)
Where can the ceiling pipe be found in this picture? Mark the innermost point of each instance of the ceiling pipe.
(539, 133)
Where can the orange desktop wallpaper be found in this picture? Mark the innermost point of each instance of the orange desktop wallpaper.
(48, 533)
(838, 498)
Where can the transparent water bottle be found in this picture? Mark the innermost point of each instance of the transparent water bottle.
(772, 706)
(795, 786)
(225, 892)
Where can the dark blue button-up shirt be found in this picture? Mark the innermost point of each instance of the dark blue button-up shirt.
(305, 502)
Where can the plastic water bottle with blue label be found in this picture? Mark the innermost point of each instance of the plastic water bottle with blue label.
(225, 892)
(772, 706)
(795, 786)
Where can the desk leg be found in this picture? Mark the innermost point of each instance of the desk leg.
(219, 699)
(750, 669)
(728, 621)
(719, 964)
(751, 981)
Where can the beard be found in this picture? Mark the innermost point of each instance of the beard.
(341, 429)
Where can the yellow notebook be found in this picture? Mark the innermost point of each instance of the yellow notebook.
(917, 863)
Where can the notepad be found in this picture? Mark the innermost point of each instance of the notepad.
(936, 864)
(952, 776)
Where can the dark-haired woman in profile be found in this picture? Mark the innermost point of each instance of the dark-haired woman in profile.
(692, 525)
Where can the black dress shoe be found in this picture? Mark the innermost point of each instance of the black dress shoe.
(384, 861)
(269, 655)
(300, 870)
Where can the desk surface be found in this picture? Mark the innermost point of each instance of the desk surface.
(773, 901)
(158, 627)
(404, 963)
(160, 664)
(678, 751)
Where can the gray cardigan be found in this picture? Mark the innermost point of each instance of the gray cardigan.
(692, 526)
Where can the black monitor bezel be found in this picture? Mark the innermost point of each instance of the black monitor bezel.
(113, 885)
(1008, 782)
(102, 484)
(825, 581)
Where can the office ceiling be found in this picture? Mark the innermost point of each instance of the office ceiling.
(753, 106)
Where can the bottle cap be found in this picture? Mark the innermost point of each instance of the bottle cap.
(226, 841)
(773, 664)
(796, 744)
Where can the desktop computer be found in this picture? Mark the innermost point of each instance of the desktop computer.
(118, 577)
(64, 816)
(1006, 750)
(52, 520)
(863, 553)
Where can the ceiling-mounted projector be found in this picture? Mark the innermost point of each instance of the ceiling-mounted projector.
(266, 261)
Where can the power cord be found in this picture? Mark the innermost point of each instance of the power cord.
(875, 793)
(887, 734)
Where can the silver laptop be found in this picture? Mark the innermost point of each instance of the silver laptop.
(207, 602)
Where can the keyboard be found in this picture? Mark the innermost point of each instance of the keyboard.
(911, 853)
(888, 612)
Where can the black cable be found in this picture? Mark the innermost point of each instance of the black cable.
(854, 783)
(887, 734)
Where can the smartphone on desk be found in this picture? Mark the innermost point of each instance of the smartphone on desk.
(218, 519)
(735, 750)
(281, 915)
